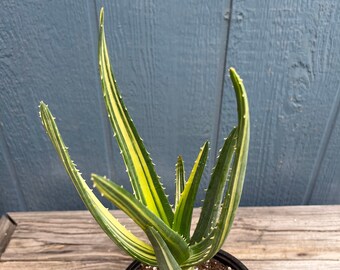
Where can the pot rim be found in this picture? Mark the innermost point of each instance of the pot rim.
(222, 256)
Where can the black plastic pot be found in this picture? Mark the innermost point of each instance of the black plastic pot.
(222, 256)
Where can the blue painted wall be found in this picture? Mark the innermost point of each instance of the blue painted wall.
(170, 61)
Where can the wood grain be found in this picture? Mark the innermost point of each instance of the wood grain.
(287, 54)
(88, 265)
(47, 54)
(7, 227)
(299, 237)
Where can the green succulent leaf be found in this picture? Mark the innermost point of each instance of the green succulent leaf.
(142, 215)
(164, 257)
(180, 179)
(110, 225)
(213, 198)
(183, 213)
(144, 180)
(233, 195)
(212, 243)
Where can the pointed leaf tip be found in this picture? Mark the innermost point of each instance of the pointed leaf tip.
(232, 70)
(101, 17)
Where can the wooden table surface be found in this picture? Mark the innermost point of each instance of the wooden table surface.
(264, 238)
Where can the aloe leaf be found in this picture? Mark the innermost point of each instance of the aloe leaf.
(233, 195)
(183, 213)
(180, 179)
(213, 198)
(212, 243)
(164, 257)
(142, 215)
(110, 225)
(143, 177)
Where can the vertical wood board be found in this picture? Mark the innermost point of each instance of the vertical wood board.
(326, 189)
(47, 54)
(10, 197)
(287, 54)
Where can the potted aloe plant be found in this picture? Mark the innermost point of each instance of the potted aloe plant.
(167, 228)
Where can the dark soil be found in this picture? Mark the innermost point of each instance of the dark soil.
(211, 264)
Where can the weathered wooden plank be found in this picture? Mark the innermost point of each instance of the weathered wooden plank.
(287, 53)
(285, 233)
(56, 265)
(289, 265)
(168, 58)
(304, 235)
(47, 53)
(65, 236)
(118, 265)
(7, 228)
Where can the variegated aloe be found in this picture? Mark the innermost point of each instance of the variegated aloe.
(168, 228)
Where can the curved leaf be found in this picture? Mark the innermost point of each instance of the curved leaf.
(214, 241)
(235, 186)
(110, 225)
